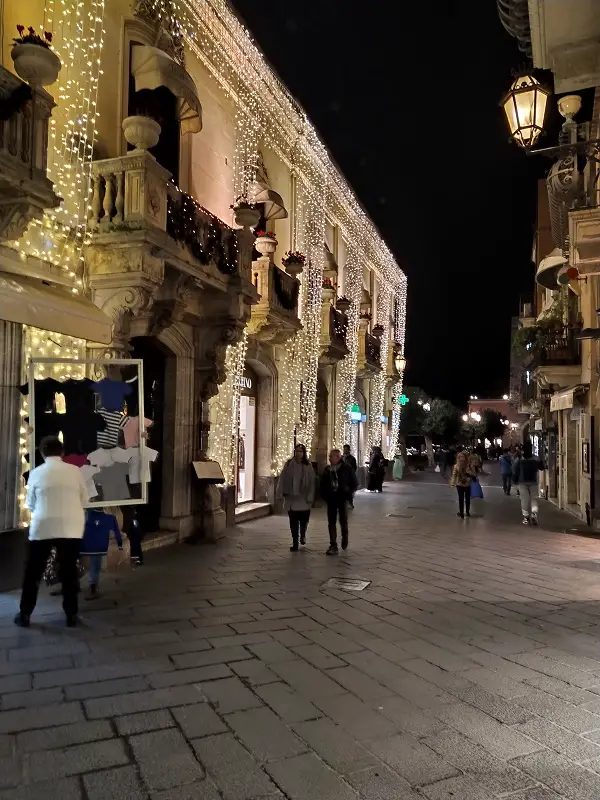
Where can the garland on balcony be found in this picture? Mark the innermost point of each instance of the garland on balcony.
(206, 239)
(287, 296)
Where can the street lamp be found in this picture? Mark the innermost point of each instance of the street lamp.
(525, 108)
(400, 362)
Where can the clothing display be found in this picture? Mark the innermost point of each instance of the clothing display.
(81, 430)
(113, 421)
(88, 471)
(98, 423)
(112, 393)
(75, 460)
(139, 467)
(131, 430)
(113, 481)
(79, 394)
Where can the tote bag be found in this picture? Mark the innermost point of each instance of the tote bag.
(476, 490)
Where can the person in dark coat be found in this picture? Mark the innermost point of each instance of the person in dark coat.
(351, 461)
(376, 470)
(338, 483)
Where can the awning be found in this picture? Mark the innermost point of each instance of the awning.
(273, 202)
(30, 302)
(561, 401)
(152, 68)
(547, 272)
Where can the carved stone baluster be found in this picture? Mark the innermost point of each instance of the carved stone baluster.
(120, 198)
(108, 205)
(96, 204)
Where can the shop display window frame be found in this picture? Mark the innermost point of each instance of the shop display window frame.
(102, 364)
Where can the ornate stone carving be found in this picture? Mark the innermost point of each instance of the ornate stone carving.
(168, 34)
(15, 216)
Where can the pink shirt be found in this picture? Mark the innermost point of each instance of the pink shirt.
(131, 431)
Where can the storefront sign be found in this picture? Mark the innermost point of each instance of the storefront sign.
(247, 382)
(562, 401)
(538, 425)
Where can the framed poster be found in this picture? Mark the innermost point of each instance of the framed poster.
(100, 421)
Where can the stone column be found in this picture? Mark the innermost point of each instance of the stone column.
(11, 365)
(178, 445)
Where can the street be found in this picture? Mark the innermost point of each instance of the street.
(468, 668)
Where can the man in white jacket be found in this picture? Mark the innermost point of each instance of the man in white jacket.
(56, 494)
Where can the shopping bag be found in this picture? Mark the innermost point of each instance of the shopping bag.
(476, 490)
(437, 468)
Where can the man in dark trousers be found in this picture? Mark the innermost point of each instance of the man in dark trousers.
(338, 483)
(351, 461)
(56, 495)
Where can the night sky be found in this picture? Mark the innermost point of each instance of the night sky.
(407, 101)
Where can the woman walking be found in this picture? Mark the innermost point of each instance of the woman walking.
(462, 474)
(296, 487)
(376, 470)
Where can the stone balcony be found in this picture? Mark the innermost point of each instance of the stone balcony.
(25, 190)
(274, 318)
(156, 257)
(557, 362)
(334, 328)
(134, 202)
(369, 353)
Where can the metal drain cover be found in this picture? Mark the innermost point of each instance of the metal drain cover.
(401, 516)
(346, 584)
(589, 565)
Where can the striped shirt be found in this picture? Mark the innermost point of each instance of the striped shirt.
(114, 420)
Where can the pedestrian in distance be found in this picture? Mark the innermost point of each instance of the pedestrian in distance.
(56, 495)
(506, 471)
(351, 461)
(525, 476)
(376, 470)
(99, 526)
(462, 474)
(338, 483)
(296, 487)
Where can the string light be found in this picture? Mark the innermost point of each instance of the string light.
(61, 234)
(379, 382)
(267, 115)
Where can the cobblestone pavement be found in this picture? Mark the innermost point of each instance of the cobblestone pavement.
(468, 669)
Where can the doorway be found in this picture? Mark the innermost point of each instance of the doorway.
(154, 364)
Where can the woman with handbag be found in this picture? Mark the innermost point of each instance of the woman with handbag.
(462, 475)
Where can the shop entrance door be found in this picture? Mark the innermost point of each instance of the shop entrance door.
(246, 449)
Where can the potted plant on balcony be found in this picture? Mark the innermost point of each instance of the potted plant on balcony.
(343, 304)
(34, 61)
(266, 242)
(141, 130)
(365, 315)
(378, 331)
(246, 214)
(293, 262)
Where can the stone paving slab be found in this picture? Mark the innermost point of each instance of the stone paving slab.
(468, 669)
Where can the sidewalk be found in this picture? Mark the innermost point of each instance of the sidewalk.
(469, 668)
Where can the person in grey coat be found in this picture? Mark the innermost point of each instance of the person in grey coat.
(296, 487)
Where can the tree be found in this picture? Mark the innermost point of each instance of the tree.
(412, 416)
(442, 420)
